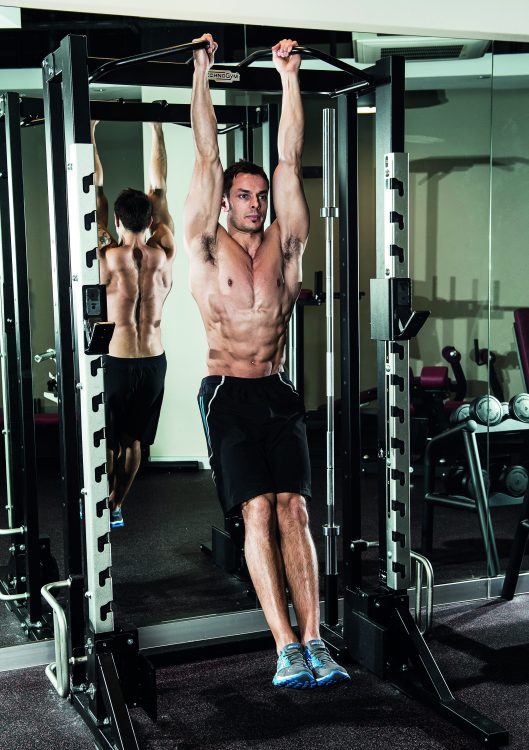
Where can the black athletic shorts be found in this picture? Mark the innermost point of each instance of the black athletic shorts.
(256, 435)
(134, 394)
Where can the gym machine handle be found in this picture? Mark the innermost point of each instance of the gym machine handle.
(58, 671)
(365, 79)
(48, 354)
(107, 67)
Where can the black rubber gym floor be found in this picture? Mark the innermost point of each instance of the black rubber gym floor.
(229, 703)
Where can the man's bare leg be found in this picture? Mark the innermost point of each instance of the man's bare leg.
(301, 569)
(126, 465)
(265, 565)
(300, 561)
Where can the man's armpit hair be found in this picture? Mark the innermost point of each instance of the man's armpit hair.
(291, 248)
(208, 244)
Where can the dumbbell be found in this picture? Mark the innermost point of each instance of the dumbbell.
(486, 410)
(513, 480)
(518, 407)
(458, 481)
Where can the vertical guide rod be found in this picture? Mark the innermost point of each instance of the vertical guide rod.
(329, 212)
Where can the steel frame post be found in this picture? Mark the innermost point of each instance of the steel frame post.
(329, 213)
(349, 335)
(64, 346)
(389, 99)
(21, 453)
(80, 379)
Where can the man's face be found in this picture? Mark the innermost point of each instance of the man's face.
(247, 203)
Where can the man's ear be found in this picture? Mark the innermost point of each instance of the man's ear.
(225, 206)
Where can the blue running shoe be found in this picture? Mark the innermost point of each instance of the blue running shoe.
(292, 669)
(325, 670)
(116, 518)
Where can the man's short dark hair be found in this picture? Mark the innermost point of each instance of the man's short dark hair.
(134, 209)
(242, 167)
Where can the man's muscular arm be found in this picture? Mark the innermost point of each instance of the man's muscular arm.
(203, 204)
(104, 238)
(289, 200)
(162, 223)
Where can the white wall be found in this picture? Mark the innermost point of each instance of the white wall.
(510, 244)
(472, 18)
(449, 148)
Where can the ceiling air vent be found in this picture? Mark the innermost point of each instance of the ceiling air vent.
(368, 48)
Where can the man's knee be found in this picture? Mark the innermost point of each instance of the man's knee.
(259, 512)
(292, 509)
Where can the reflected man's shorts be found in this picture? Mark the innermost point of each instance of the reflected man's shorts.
(133, 393)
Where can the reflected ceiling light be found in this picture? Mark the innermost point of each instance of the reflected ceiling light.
(10, 18)
(366, 104)
(423, 139)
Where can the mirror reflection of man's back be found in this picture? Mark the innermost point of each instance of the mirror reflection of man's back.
(138, 279)
(137, 274)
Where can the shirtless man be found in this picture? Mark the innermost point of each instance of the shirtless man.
(137, 274)
(245, 281)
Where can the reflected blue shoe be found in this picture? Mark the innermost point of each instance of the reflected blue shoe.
(325, 670)
(116, 518)
(292, 669)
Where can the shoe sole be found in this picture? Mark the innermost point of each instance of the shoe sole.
(332, 679)
(301, 681)
(117, 524)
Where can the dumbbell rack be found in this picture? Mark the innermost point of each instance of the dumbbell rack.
(481, 503)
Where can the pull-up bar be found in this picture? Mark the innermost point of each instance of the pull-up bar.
(326, 82)
(107, 67)
(365, 78)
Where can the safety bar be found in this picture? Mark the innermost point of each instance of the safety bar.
(58, 671)
(107, 67)
(365, 78)
(48, 354)
(14, 597)
(14, 530)
(422, 564)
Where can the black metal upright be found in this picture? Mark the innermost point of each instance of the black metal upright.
(270, 127)
(19, 421)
